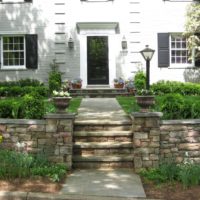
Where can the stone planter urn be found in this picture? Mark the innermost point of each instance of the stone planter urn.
(61, 103)
(119, 85)
(145, 102)
(76, 85)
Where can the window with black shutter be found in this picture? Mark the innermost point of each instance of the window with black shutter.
(18, 52)
(173, 51)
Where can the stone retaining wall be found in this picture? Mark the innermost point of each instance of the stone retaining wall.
(155, 140)
(180, 139)
(52, 136)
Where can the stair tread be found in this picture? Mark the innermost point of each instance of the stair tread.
(102, 133)
(103, 145)
(113, 158)
(100, 121)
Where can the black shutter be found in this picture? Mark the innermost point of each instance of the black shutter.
(163, 50)
(197, 58)
(31, 51)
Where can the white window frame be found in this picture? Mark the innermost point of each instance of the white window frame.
(14, 1)
(16, 67)
(178, 65)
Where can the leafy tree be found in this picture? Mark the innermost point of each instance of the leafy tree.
(192, 28)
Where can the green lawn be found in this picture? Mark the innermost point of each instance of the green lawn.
(73, 107)
(129, 104)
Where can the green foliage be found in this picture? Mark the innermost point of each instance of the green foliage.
(18, 91)
(195, 110)
(172, 106)
(192, 28)
(166, 87)
(186, 173)
(21, 83)
(140, 80)
(10, 108)
(55, 80)
(33, 106)
(22, 165)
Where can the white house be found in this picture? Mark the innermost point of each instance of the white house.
(35, 32)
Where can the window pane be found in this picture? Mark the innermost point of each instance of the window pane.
(173, 53)
(21, 61)
(178, 59)
(178, 45)
(13, 51)
(178, 53)
(5, 62)
(173, 59)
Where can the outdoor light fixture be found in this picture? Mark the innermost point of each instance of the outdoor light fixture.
(147, 54)
(71, 43)
(124, 43)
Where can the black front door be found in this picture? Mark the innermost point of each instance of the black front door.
(97, 60)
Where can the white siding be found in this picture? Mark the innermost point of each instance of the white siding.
(55, 21)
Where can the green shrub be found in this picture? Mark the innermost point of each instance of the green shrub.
(22, 165)
(140, 80)
(10, 108)
(33, 106)
(172, 106)
(55, 80)
(165, 87)
(195, 110)
(189, 175)
(186, 173)
(21, 83)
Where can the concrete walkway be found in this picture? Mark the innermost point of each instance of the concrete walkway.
(104, 183)
(101, 111)
(116, 183)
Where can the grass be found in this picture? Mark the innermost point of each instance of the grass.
(73, 107)
(129, 103)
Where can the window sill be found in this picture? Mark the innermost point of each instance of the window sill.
(13, 69)
(16, 2)
(181, 66)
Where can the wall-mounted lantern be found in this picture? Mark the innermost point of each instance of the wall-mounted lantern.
(124, 43)
(71, 43)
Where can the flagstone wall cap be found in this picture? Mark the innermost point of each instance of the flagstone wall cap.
(60, 116)
(181, 121)
(22, 121)
(147, 114)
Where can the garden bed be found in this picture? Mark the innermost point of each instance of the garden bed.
(171, 191)
(38, 184)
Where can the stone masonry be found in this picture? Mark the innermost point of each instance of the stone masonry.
(180, 139)
(153, 139)
(146, 139)
(51, 137)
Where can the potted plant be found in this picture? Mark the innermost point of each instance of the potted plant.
(145, 99)
(130, 86)
(119, 82)
(61, 100)
(76, 83)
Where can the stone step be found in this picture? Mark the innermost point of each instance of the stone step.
(102, 145)
(102, 165)
(99, 92)
(101, 127)
(102, 152)
(113, 158)
(102, 133)
(95, 120)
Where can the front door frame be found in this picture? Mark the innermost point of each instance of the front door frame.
(90, 79)
(111, 53)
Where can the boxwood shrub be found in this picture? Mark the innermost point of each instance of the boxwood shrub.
(165, 87)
